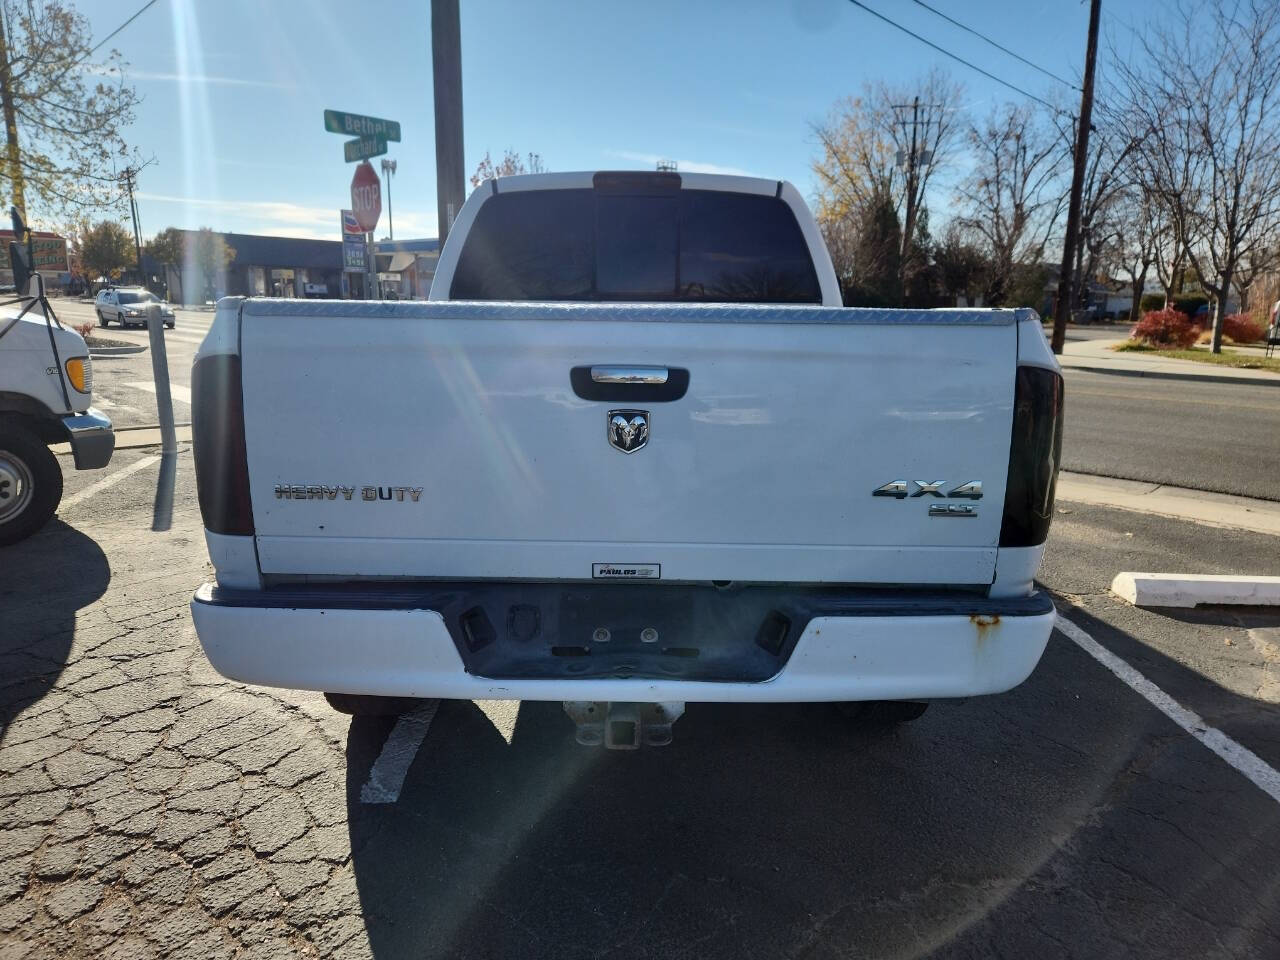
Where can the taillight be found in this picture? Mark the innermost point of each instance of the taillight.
(217, 441)
(1034, 452)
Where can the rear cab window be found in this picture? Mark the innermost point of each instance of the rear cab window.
(626, 243)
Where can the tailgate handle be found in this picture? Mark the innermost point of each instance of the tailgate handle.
(629, 383)
(629, 374)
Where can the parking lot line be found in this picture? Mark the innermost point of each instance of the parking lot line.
(387, 774)
(109, 480)
(1264, 776)
(178, 391)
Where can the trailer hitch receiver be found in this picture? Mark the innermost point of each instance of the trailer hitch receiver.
(623, 726)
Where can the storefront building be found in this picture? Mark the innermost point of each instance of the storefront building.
(262, 267)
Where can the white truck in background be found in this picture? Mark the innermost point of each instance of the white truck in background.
(633, 453)
(46, 393)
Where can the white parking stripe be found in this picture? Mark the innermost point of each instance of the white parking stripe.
(387, 774)
(110, 480)
(176, 390)
(1264, 776)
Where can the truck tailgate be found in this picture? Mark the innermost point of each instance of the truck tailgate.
(452, 440)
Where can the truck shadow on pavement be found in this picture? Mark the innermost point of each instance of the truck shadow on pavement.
(47, 579)
(1066, 812)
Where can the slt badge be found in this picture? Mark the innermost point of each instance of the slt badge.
(628, 430)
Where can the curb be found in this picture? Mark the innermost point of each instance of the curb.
(1163, 375)
(116, 351)
(1187, 590)
(1179, 503)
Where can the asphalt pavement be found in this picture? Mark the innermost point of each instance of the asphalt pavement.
(149, 808)
(1220, 437)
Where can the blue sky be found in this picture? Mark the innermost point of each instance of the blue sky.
(234, 90)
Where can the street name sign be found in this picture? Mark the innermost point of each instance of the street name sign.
(363, 148)
(356, 125)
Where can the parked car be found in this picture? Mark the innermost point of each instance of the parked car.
(128, 307)
(788, 501)
(46, 384)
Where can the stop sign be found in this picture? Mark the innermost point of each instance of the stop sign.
(366, 197)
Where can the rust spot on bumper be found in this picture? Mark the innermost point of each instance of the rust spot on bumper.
(985, 625)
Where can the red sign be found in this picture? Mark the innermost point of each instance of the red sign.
(366, 197)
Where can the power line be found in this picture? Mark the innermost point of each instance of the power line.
(98, 46)
(955, 57)
(985, 39)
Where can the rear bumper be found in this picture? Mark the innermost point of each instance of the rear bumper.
(859, 652)
(92, 439)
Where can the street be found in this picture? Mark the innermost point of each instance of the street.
(151, 808)
(1129, 427)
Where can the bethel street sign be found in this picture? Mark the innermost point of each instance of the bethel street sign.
(364, 148)
(355, 125)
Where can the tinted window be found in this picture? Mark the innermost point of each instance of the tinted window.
(637, 242)
(738, 248)
(126, 297)
(699, 245)
(536, 245)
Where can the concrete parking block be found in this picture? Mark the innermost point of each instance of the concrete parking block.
(1189, 590)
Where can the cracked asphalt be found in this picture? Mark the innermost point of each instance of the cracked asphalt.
(149, 808)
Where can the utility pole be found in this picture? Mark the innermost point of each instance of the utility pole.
(133, 212)
(446, 71)
(13, 155)
(1062, 301)
(389, 168)
(914, 160)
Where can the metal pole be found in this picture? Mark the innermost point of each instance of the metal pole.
(1062, 301)
(446, 69)
(155, 334)
(388, 170)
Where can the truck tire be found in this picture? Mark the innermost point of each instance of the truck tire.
(362, 705)
(30, 483)
(883, 713)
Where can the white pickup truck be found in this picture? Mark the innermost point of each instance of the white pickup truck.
(633, 453)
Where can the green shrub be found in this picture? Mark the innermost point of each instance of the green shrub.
(1189, 303)
(1151, 301)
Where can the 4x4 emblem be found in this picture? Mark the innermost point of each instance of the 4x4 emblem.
(628, 430)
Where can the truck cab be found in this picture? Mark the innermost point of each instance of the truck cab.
(46, 393)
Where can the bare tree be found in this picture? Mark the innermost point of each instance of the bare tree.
(510, 165)
(888, 143)
(1203, 105)
(1135, 248)
(1014, 195)
(1101, 205)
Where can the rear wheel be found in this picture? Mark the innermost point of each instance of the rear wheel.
(102, 321)
(883, 713)
(361, 705)
(30, 483)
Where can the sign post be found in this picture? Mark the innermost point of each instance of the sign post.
(371, 137)
(366, 204)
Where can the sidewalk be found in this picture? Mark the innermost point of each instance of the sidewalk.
(1098, 357)
(1214, 509)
